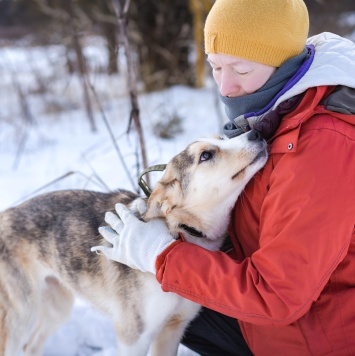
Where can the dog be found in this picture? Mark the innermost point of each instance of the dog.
(45, 257)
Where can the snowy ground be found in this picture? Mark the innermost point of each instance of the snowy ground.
(53, 140)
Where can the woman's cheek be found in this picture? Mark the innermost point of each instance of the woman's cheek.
(217, 78)
(253, 84)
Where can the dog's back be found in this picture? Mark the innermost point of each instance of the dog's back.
(56, 230)
(45, 257)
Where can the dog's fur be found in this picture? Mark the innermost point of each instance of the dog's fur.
(45, 253)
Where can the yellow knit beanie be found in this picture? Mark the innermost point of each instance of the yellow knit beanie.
(264, 31)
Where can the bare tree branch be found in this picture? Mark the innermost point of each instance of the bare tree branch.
(132, 84)
(81, 64)
(66, 175)
(134, 186)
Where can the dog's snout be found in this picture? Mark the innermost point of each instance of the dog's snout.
(255, 135)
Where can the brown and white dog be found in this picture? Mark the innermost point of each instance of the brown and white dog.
(45, 257)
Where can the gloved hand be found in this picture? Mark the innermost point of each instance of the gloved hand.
(135, 243)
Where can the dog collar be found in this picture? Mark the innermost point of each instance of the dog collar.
(192, 231)
(143, 184)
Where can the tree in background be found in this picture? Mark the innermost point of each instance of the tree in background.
(161, 32)
(199, 10)
(167, 36)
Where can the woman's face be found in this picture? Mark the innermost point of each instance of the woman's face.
(237, 76)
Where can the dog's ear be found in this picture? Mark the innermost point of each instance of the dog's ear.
(155, 201)
(165, 195)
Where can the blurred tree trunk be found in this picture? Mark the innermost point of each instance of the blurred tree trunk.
(81, 63)
(105, 17)
(122, 19)
(199, 10)
(110, 31)
(161, 31)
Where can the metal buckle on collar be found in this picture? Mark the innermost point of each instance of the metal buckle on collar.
(143, 184)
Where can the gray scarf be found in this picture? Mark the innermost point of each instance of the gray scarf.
(257, 101)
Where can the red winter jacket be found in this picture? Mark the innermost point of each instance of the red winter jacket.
(291, 283)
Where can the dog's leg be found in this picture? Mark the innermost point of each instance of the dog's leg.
(130, 350)
(130, 329)
(17, 312)
(55, 308)
(13, 328)
(168, 339)
(138, 347)
(9, 343)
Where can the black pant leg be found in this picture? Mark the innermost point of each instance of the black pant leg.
(215, 334)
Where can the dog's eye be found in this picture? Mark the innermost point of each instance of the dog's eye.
(206, 155)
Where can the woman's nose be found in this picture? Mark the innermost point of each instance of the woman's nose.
(228, 86)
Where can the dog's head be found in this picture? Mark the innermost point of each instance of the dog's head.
(201, 184)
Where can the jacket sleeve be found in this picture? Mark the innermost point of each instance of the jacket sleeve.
(306, 226)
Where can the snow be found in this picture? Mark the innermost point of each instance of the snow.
(52, 147)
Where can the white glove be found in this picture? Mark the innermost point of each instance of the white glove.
(136, 244)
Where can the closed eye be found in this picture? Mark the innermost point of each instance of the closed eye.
(206, 156)
(240, 72)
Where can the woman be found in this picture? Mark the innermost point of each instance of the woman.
(289, 280)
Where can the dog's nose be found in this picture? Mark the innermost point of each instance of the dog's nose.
(254, 135)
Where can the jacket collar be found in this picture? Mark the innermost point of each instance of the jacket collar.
(333, 64)
(286, 137)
